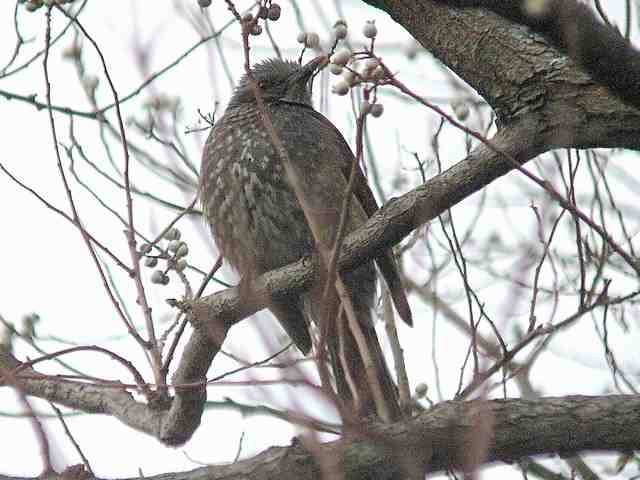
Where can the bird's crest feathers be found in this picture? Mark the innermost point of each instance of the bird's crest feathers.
(278, 80)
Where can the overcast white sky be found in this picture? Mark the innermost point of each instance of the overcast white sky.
(46, 268)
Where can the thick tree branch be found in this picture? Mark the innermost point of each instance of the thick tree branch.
(110, 400)
(572, 26)
(520, 74)
(441, 438)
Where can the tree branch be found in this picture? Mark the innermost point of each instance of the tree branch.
(441, 438)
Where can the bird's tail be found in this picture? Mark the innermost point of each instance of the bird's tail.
(363, 381)
(362, 377)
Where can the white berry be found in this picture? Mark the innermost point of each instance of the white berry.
(335, 68)
(341, 57)
(157, 277)
(150, 262)
(340, 30)
(183, 250)
(411, 50)
(312, 40)
(274, 12)
(172, 234)
(377, 109)
(421, 390)
(349, 77)
(340, 88)
(460, 110)
(370, 30)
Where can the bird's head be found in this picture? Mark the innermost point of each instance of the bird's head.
(279, 80)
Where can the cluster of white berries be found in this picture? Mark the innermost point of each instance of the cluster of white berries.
(343, 63)
(176, 251)
(272, 12)
(312, 40)
(371, 71)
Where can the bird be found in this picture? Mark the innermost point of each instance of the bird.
(251, 203)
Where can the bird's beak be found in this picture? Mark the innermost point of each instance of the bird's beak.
(316, 64)
(305, 73)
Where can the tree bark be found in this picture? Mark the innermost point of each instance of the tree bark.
(448, 436)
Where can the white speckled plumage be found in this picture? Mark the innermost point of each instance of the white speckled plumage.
(254, 214)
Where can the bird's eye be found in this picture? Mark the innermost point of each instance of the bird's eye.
(262, 84)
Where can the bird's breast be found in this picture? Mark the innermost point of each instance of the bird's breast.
(255, 217)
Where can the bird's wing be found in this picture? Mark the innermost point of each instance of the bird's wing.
(386, 262)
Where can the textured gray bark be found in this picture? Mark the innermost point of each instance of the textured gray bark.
(447, 437)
